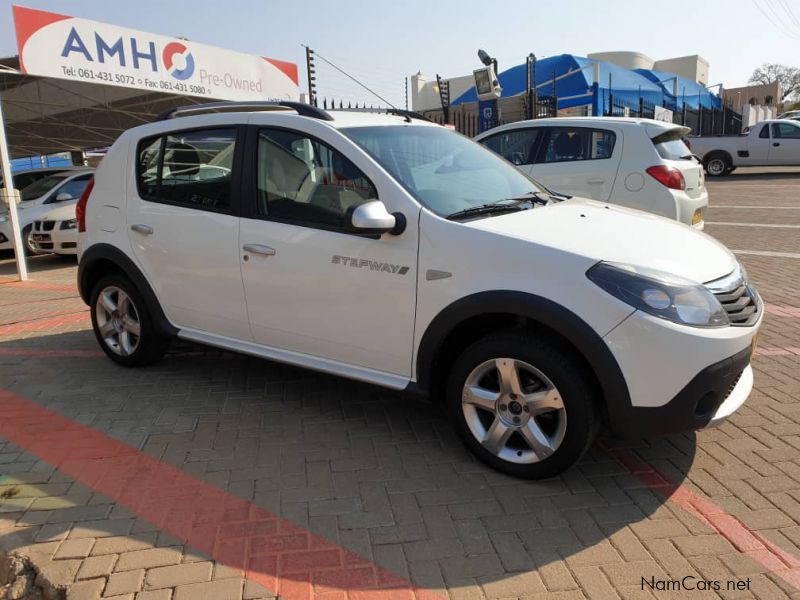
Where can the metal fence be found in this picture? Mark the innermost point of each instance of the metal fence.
(702, 121)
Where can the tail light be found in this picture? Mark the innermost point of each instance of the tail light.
(80, 207)
(668, 176)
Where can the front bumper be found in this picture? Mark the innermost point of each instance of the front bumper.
(657, 359)
(708, 399)
(55, 240)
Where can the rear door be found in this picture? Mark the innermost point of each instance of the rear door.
(578, 161)
(785, 148)
(183, 225)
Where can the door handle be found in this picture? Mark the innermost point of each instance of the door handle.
(776, 143)
(595, 181)
(259, 249)
(143, 229)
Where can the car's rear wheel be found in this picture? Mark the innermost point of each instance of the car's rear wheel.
(522, 404)
(717, 165)
(123, 325)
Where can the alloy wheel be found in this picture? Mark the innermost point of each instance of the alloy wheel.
(118, 321)
(513, 410)
(716, 166)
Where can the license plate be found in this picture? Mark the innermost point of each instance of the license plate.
(40, 237)
(753, 345)
(698, 216)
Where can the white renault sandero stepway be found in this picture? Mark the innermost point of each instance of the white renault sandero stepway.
(390, 250)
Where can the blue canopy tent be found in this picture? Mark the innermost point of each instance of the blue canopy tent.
(576, 89)
(693, 93)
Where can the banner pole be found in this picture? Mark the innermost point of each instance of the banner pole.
(10, 195)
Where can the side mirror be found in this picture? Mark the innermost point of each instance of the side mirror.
(64, 197)
(371, 218)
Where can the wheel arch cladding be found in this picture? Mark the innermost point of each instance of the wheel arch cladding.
(526, 309)
(102, 259)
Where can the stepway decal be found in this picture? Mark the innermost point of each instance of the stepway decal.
(53, 45)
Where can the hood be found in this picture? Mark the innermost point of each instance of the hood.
(60, 212)
(600, 231)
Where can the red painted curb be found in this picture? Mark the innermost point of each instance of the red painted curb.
(745, 540)
(269, 550)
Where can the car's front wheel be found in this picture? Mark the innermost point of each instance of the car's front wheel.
(522, 404)
(123, 325)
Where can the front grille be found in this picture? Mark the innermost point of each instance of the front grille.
(44, 225)
(740, 305)
(733, 384)
(738, 298)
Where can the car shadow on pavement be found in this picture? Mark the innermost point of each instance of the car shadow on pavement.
(377, 473)
(752, 175)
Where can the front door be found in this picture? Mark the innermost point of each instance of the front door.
(313, 288)
(184, 230)
(785, 149)
(579, 161)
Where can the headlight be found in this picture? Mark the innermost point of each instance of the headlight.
(660, 294)
(71, 224)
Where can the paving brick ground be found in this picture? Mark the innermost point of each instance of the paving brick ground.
(383, 476)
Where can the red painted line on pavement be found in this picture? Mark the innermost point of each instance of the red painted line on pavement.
(749, 542)
(45, 323)
(792, 312)
(37, 285)
(269, 550)
(50, 353)
(777, 351)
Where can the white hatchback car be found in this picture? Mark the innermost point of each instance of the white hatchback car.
(638, 163)
(39, 198)
(391, 250)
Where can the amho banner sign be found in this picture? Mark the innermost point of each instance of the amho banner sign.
(53, 45)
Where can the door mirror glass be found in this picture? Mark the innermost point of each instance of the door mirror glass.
(371, 217)
(64, 197)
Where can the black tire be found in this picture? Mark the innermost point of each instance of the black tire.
(717, 164)
(27, 241)
(150, 345)
(564, 370)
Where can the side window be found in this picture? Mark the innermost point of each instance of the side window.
(147, 162)
(785, 131)
(517, 146)
(74, 188)
(189, 168)
(304, 181)
(764, 133)
(578, 143)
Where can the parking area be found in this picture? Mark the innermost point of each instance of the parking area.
(215, 475)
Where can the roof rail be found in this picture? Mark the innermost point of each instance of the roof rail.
(408, 114)
(305, 110)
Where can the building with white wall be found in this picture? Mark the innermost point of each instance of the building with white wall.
(693, 67)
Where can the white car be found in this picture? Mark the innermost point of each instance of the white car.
(638, 163)
(56, 231)
(61, 189)
(388, 249)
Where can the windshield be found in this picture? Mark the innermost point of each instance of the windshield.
(443, 170)
(39, 188)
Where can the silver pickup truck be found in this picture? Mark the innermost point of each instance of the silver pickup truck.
(770, 143)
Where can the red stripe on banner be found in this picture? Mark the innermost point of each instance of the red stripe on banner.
(749, 542)
(288, 68)
(28, 21)
(269, 550)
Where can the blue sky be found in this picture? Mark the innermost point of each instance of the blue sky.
(382, 42)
